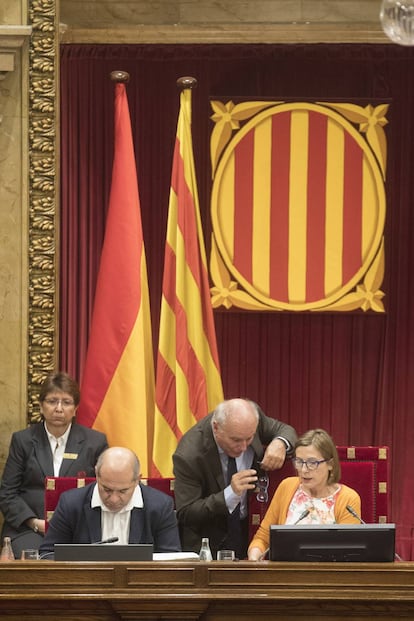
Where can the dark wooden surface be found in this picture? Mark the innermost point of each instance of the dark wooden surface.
(36, 591)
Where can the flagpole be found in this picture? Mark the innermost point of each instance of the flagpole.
(117, 391)
(188, 381)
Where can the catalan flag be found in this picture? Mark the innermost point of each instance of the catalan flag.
(188, 382)
(117, 390)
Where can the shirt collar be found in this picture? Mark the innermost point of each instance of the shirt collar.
(136, 500)
(63, 437)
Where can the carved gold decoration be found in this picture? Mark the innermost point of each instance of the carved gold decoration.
(371, 122)
(43, 184)
(227, 118)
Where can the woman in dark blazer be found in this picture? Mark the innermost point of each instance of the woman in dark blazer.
(57, 446)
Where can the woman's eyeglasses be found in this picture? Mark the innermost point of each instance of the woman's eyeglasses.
(310, 464)
(66, 403)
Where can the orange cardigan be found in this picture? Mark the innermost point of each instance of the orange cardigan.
(278, 509)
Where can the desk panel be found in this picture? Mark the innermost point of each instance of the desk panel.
(47, 590)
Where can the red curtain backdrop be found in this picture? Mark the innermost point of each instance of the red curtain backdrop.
(351, 373)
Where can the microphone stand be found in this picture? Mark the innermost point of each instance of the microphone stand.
(300, 518)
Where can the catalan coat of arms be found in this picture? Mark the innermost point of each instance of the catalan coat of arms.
(298, 205)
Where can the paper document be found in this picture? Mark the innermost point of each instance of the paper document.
(174, 556)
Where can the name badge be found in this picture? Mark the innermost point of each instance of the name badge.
(70, 455)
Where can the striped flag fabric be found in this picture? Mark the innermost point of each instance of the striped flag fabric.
(188, 381)
(117, 389)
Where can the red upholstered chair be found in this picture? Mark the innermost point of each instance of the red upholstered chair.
(367, 470)
(364, 468)
(163, 485)
(54, 486)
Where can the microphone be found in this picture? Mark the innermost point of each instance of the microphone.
(354, 514)
(110, 540)
(358, 517)
(302, 516)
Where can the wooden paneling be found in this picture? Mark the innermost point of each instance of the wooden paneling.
(208, 591)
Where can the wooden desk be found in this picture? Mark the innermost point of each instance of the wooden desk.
(35, 591)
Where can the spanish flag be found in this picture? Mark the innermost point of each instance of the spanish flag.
(117, 390)
(188, 382)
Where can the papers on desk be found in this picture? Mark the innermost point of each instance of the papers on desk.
(174, 556)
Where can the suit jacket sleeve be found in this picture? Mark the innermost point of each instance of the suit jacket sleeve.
(13, 504)
(157, 522)
(271, 428)
(73, 521)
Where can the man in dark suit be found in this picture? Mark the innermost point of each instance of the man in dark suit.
(211, 490)
(117, 505)
(57, 446)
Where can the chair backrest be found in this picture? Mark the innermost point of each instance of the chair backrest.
(54, 486)
(364, 468)
(163, 485)
(367, 470)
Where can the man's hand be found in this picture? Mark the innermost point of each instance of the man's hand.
(243, 480)
(274, 456)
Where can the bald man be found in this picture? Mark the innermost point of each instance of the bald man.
(209, 502)
(117, 505)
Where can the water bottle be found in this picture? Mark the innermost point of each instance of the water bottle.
(205, 552)
(6, 553)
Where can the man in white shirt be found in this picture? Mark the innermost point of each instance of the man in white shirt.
(117, 505)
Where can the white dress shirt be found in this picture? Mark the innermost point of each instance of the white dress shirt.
(117, 523)
(58, 446)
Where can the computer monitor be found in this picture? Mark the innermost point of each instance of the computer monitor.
(333, 542)
(104, 552)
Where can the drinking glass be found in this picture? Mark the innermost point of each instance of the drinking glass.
(30, 555)
(225, 555)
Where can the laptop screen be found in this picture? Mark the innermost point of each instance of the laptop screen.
(103, 552)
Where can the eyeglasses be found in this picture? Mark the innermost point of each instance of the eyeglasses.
(310, 464)
(65, 403)
(262, 485)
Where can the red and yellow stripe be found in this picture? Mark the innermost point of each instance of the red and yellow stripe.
(188, 382)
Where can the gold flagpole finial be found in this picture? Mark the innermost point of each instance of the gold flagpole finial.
(186, 82)
(119, 76)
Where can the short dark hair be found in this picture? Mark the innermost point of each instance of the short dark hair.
(62, 382)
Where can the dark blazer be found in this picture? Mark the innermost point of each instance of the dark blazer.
(199, 481)
(74, 521)
(30, 460)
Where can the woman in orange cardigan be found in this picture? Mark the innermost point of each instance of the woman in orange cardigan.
(315, 496)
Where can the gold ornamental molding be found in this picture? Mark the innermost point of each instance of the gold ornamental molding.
(43, 196)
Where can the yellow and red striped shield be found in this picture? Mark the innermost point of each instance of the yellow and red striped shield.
(298, 206)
